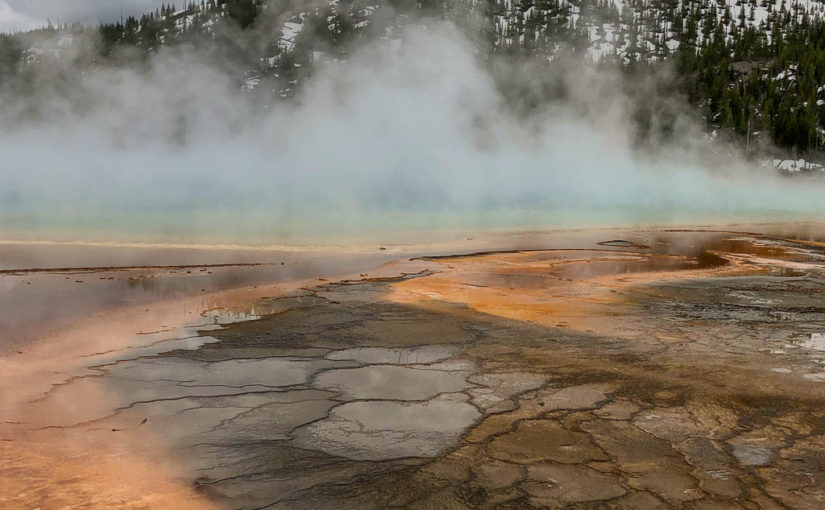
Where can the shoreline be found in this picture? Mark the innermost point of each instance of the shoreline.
(441, 240)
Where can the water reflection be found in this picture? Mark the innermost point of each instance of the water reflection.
(34, 302)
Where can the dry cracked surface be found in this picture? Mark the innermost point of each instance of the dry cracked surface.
(633, 375)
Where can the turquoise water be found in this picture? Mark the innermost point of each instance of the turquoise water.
(231, 218)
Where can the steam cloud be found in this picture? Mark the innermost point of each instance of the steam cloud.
(402, 138)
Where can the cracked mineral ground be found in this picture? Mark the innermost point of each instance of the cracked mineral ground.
(644, 370)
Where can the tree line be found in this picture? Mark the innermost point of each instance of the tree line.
(754, 73)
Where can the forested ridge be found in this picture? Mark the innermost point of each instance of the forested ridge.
(753, 71)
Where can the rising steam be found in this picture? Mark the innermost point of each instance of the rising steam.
(406, 136)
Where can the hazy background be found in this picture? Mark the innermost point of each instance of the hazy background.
(409, 135)
(18, 15)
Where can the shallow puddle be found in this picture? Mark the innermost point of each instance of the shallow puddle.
(388, 382)
(654, 263)
(749, 454)
(415, 355)
(380, 430)
(815, 342)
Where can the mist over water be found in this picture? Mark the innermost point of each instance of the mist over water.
(402, 139)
